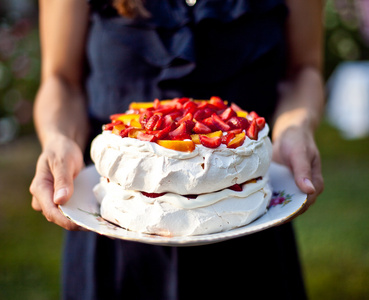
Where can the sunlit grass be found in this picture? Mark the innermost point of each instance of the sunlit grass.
(334, 233)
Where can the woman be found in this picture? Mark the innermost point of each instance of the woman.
(265, 55)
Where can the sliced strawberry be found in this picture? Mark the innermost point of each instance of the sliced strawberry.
(202, 114)
(252, 131)
(167, 121)
(187, 117)
(175, 114)
(190, 107)
(201, 128)
(144, 117)
(190, 124)
(151, 122)
(235, 131)
(183, 100)
(210, 142)
(162, 134)
(236, 187)
(124, 132)
(109, 126)
(228, 137)
(180, 133)
(207, 105)
(219, 123)
(156, 104)
(238, 122)
(209, 122)
(227, 114)
(236, 108)
(260, 122)
(153, 195)
(142, 136)
(165, 109)
(217, 102)
(253, 115)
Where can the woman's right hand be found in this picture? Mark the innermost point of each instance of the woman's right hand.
(59, 163)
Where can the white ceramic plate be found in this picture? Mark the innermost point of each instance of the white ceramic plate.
(83, 210)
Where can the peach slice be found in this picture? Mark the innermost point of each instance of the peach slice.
(183, 146)
(118, 128)
(237, 141)
(127, 118)
(134, 132)
(242, 113)
(196, 137)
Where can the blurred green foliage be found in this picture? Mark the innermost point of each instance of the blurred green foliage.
(20, 56)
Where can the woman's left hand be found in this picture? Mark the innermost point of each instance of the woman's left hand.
(296, 149)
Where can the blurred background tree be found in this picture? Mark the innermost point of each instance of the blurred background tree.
(19, 67)
(347, 38)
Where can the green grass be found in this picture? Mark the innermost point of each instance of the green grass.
(30, 247)
(333, 235)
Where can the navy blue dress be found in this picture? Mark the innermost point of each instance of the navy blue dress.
(233, 49)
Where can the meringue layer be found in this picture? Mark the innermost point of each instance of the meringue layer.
(176, 215)
(144, 166)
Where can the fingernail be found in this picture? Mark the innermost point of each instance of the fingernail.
(309, 184)
(59, 194)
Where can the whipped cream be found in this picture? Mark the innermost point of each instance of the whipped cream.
(175, 215)
(145, 166)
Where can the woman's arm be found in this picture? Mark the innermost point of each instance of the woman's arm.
(301, 98)
(60, 109)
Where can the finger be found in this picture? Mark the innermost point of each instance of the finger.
(63, 182)
(35, 205)
(300, 164)
(316, 174)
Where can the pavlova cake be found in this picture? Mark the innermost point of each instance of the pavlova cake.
(183, 167)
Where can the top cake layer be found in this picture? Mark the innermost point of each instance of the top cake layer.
(183, 146)
(146, 166)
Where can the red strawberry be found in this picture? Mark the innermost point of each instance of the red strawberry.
(152, 195)
(252, 131)
(189, 107)
(202, 114)
(144, 117)
(161, 134)
(124, 133)
(253, 115)
(180, 133)
(218, 102)
(260, 122)
(187, 117)
(238, 122)
(209, 122)
(235, 107)
(210, 142)
(236, 187)
(146, 137)
(151, 122)
(156, 104)
(201, 128)
(109, 126)
(227, 114)
(167, 121)
(207, 105)
(228, 137)
(219, 123)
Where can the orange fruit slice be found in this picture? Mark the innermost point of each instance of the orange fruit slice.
(183, 146)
